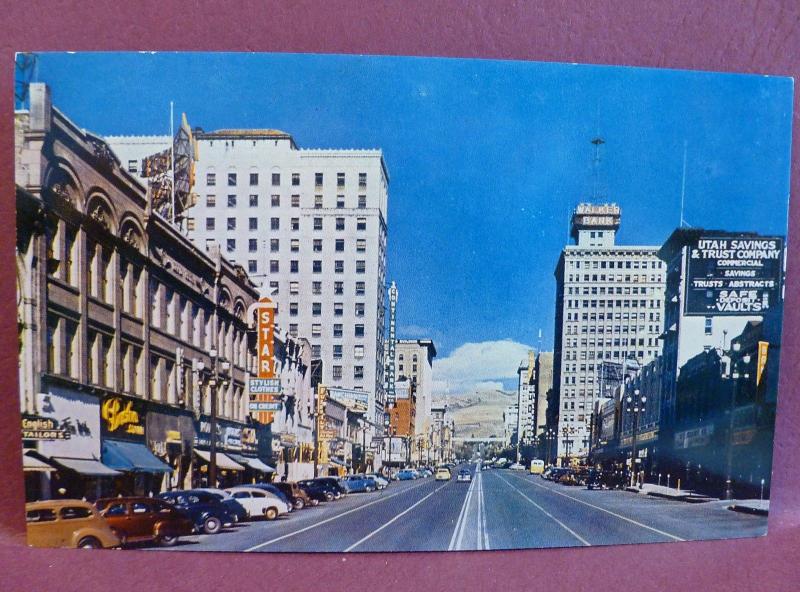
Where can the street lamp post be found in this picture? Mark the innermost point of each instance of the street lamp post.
(635, 405)
(729, 456)
(550, 436)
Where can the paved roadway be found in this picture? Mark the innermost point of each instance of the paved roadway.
(499, 509)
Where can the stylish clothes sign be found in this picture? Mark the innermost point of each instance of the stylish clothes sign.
(733, 275)
(123, 418)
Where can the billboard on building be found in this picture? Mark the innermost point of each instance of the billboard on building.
(354, 400)
(733, 275)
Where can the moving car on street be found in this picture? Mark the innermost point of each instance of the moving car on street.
(259, 502)
(517, 467)
(443, 474)
(537, 466)
(68, 523)
(144, 519)
(206, 510)
(464, 476)
(405, 475)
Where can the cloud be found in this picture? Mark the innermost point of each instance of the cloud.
(488, 365)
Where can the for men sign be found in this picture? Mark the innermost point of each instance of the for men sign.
(733, 275)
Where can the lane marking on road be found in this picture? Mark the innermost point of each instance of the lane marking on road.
(331, 519)
(620, 516)
(548, 514)
(483, 519)
(400, 515)
(458, 531)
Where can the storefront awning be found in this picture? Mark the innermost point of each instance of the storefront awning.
(85, 466)
(223, 460)
(253, 463)
(131, 457)
(30, 463)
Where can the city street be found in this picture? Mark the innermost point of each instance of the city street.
(499, 509)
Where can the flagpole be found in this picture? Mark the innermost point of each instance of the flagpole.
(172, 160)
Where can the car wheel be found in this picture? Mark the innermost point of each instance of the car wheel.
(121, 536)
(299, 504)
(315, 502)
(89, 543)
(212, 525)
(271, 513)
(166, 541)
(369, 489)
(329, 496)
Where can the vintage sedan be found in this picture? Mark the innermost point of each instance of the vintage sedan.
(206, 510)
(144, 519)
(259, 502)
(68, 523)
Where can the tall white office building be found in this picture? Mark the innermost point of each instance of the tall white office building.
(309, 226)
(609, 309)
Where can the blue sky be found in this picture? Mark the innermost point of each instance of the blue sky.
(486, 159)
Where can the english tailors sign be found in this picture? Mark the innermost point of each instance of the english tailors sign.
(733, 275)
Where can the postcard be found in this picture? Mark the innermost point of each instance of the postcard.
(304, 303)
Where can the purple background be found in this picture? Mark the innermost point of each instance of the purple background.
(759, 37)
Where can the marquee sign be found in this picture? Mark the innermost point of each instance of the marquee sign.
(732, 275)
(264, 389)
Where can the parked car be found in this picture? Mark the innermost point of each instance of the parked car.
(259, 502)
(464, 476)
(555, 473)
(273, 489)
(405, 475)
(359, 483)
(443, 474)
(568, 477)
(517, 467)
(206, 510)
(335, 486)
(297, 497)
(235, 508)
(68, 523)
(145, 519)
(320, 490)
(381, 481)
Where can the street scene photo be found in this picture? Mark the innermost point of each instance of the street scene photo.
(330, 303)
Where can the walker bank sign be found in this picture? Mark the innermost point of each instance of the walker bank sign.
(733, 275)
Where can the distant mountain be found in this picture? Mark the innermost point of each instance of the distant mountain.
(478, 414)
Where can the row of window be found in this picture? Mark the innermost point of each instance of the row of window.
(233, 179)
(602, 290)
(275, 201)
(275, 223)
(602, 316)
(616, 355)
(294, 245)
(338, 309)
(584, 329)
(316, 288)
(616, 277)
(612, 303)
(626, 264)
(294, 264)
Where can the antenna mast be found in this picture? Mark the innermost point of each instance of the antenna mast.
(682, 222)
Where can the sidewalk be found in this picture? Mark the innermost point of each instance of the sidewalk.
(682, 495)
